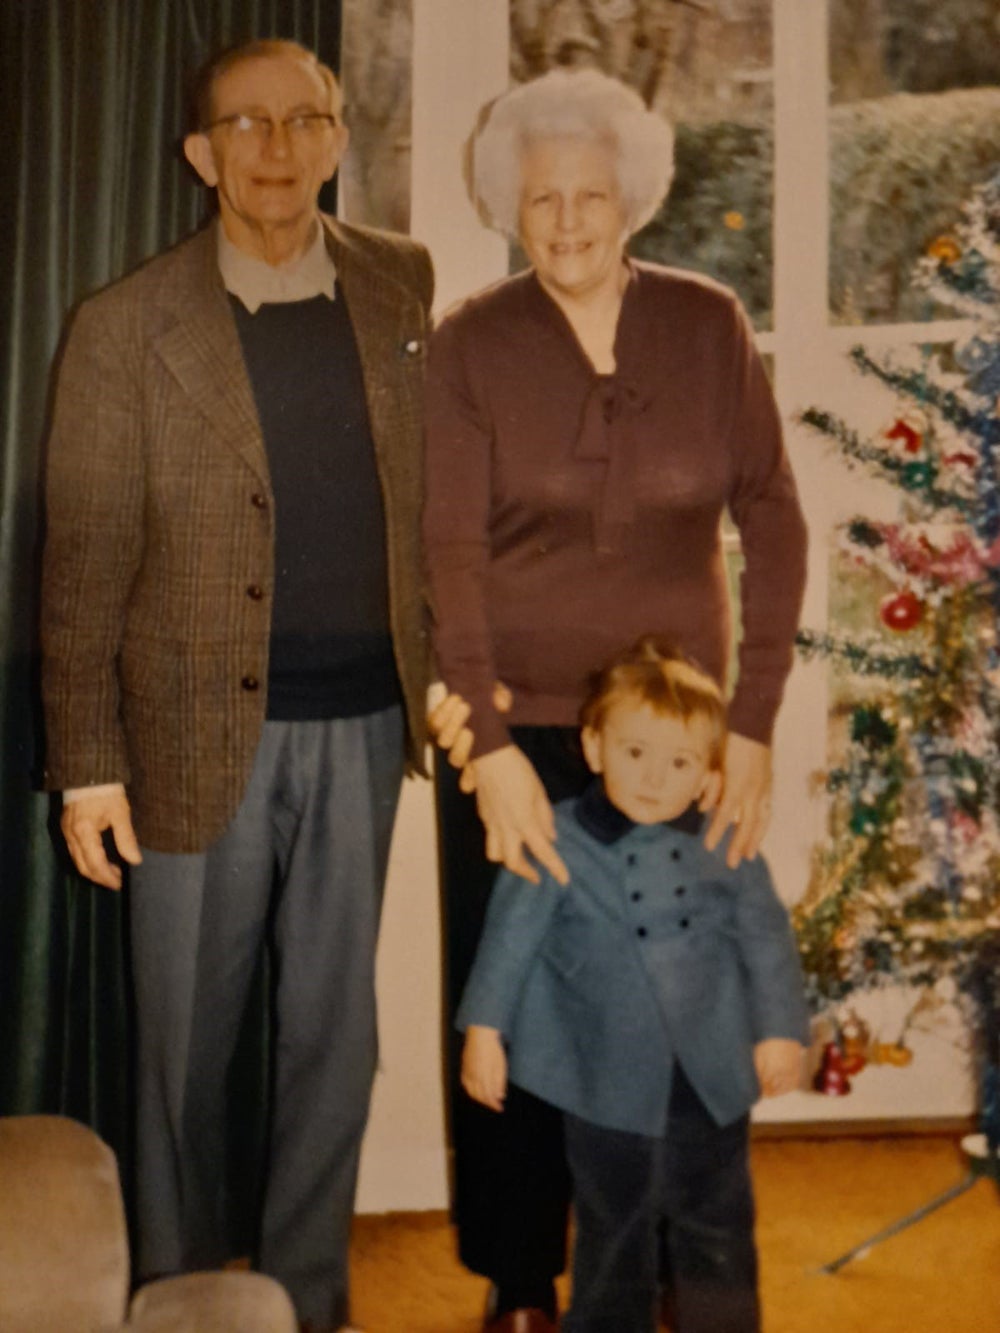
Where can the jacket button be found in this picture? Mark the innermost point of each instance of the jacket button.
(641, 932)
(255, 592)
(258, 501)
(675, 854)
(684, 923)
(680, 891)
(630, 859)
(637, 896)
(250, 683)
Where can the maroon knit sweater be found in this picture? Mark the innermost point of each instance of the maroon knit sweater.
(568, 513)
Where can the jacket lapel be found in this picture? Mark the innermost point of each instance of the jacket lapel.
(201, 349)
(385, 318)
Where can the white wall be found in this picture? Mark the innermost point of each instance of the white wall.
(460, 59)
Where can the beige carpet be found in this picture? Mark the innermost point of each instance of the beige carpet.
(816, 1199)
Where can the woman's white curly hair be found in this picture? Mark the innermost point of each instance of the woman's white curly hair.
(570, 103)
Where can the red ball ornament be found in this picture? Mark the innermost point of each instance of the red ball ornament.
(901, 611)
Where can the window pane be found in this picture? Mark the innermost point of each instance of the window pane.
(708, 69)
(914, 126)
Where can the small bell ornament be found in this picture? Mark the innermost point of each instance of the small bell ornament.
(830, 1078)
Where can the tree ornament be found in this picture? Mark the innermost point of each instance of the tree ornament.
(893, 1053)
(911, 439)
(945, 249)
(855, 1036)
(830, 1078)
(917, 476)
(901, 611)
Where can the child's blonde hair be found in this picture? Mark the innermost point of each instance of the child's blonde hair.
(652, 672)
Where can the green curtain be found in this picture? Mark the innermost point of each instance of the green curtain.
(92, 100)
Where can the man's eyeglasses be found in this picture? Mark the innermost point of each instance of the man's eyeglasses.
(302, 125)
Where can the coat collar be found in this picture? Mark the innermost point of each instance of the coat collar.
(605, 822)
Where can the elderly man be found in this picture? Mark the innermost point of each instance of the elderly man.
(235, 661)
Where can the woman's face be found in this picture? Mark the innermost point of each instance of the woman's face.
(572, 220)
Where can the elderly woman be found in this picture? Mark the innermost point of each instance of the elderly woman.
(589, 421)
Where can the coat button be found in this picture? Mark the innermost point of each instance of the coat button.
(630, 859)
(675, 854)
(680, 891)
(641, 932)
(250, 683)
(258, 501)
(637, 896)
(684, 923)
(255, 592)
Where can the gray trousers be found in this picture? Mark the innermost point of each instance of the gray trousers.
(302, 868)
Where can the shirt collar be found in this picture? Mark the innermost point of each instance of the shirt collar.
(255, 283)
(605, 822)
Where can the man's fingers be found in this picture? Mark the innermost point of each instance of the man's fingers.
(467, 781)
(125, 840)
(87, 850)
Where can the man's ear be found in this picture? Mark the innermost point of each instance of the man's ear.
(338, 147)
(591, 742)
(198, 152)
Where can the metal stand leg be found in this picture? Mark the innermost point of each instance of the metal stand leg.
(859, 1251)
(984, 1163)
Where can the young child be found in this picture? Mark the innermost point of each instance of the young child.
(652, 1000)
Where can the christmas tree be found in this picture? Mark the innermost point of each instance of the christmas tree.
(906, 887)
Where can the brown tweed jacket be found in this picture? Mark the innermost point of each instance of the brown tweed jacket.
(156, 598)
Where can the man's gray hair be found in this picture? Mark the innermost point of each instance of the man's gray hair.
(571, 103)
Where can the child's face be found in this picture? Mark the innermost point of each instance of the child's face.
(653, 765)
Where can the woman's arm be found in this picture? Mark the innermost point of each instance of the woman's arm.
(511, 799)
(764, 505)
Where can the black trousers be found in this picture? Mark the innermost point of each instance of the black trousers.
(511, 1181)
(674, 1212)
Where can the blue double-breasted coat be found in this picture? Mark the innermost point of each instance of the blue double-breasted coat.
(655, 952)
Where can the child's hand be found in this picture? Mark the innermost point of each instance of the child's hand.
(778, 1062)
(484, 1067)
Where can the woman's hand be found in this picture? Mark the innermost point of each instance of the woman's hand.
(516, 814)
(446, 723)
(484, 1067)
(745, 800)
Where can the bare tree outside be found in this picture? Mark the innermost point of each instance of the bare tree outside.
(376, 73)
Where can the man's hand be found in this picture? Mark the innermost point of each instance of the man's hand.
(484, 1067)
(83, 821)
(745, 800)
(446, 723)
(778, 1062)
(516, 814)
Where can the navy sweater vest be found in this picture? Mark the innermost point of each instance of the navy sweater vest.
(331, 650)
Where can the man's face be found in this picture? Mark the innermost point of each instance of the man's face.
(653, 766)
(268, 176)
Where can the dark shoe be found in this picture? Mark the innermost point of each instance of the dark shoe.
(521, 1321)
